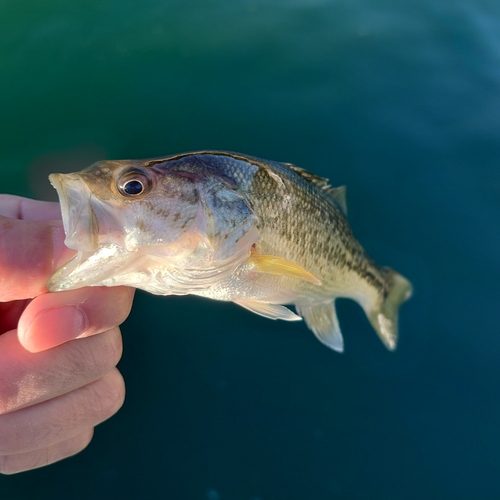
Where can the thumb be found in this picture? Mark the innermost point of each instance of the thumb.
(30, 252)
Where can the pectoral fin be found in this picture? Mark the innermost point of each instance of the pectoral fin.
(271, 264)
(322, 320)
(271, 311)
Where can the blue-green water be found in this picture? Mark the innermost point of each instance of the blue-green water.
(400, 101)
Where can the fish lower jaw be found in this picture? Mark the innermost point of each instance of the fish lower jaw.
(113, 265)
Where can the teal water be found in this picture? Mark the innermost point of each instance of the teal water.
(400, 101)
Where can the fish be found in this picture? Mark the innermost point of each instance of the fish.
(225, 226)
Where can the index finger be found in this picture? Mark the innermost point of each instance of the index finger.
(16, 207)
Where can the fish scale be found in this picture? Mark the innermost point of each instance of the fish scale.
(289, 233)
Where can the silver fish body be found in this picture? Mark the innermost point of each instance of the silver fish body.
(225, 226)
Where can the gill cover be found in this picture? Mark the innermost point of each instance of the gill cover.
(228, 221)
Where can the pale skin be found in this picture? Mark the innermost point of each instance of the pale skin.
(58, 351)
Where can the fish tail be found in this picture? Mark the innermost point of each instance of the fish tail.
(384, 315)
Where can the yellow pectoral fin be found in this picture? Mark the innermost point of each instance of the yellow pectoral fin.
(271, 264)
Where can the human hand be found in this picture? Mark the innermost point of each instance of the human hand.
(53, 389)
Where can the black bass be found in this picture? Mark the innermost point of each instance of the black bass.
(226, 226)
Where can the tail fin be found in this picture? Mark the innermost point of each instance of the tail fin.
(384, 317)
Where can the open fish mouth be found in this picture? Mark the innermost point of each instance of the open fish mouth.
(79, 219)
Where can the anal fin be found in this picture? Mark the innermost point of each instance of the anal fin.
(322, 320)
(271, 311)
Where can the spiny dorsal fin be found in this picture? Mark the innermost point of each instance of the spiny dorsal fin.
(320, 182)
(338, 194)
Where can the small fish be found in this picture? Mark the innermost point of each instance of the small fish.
(226, 226)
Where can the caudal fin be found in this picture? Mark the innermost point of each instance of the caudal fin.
(384, 316)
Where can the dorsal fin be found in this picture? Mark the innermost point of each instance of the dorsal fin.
(320, 182)
(338, 194)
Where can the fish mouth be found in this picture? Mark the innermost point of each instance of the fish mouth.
(79, 219)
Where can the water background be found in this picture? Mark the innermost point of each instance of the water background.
(400, 101)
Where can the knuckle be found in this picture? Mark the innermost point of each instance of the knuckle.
(111, 347)
(106, 396)
(85, 440)
(98, 353)
(64, 449)
(114, 393)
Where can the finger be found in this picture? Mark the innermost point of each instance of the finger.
(30, 252)
(12, 464)
(62, 418)
(54, 318)
(28, 379)
(16, 207)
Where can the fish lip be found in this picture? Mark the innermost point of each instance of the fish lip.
(79, 220)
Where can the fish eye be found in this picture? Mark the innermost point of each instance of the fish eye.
(133, 183)
(133, 187)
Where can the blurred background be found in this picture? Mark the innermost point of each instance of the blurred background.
(400, 101)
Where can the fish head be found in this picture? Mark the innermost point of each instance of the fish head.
(107, 203)
(177, 210)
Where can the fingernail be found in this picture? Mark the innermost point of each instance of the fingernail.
(53, 327)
